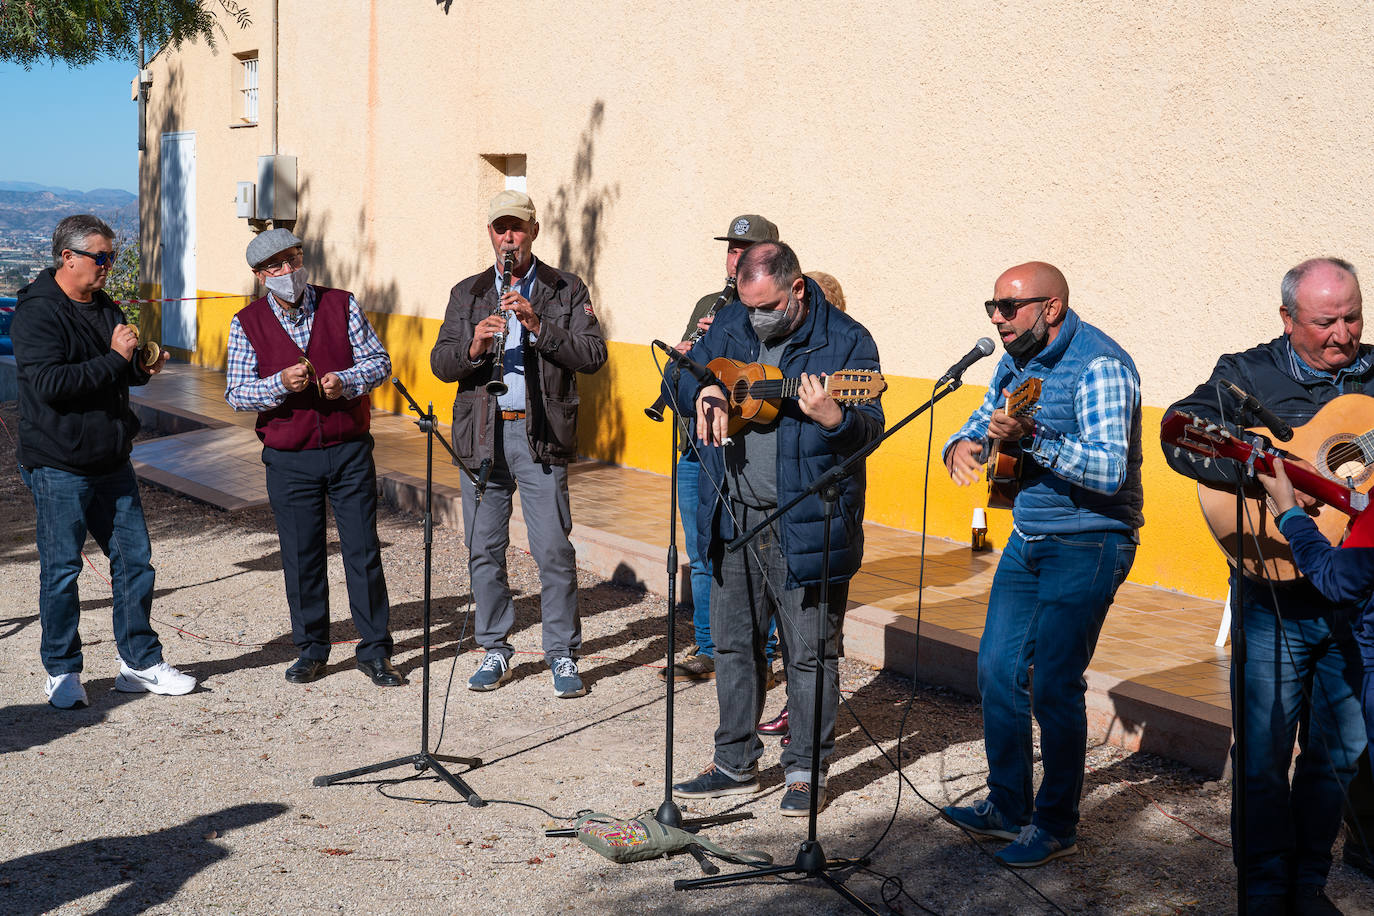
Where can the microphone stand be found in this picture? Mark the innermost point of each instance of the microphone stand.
(1239, 651)
(424, 760)
(811, 860)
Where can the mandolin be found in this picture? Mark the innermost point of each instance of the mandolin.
(754, 389)
(1333, 450)
(1005, 458)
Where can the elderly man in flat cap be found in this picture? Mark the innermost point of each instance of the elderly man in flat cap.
(515, 418)
(305, 357)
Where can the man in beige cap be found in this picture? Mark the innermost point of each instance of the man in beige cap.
(519, 429)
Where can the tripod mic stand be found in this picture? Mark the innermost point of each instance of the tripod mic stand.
(423, 759)
(811, 860)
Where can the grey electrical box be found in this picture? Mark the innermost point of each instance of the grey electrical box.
(245, 201)
(276, 187)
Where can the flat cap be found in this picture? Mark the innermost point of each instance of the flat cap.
(266, 244)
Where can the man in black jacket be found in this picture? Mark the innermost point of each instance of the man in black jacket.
(76, 359)
(1302, 673)
(541, 332)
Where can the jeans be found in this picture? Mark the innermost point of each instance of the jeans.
(1290, 828)
(1049, 599)
(298, 485)
(108, 507)
(548, 522)
(688, 469)
(750, 587)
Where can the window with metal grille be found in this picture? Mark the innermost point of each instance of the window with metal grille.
(250, 89)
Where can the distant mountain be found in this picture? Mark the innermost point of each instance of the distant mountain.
(25, 206)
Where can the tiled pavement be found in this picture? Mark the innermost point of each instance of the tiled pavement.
(1157, 683)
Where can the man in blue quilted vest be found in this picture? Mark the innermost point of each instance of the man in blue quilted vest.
(1075, 521)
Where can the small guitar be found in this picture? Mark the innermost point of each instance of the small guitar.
(754, 389)
(1342, 503)
(1004, 456)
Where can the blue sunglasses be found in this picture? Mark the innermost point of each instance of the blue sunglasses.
(101, 259)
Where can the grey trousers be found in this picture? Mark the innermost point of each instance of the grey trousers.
(740, 608)
(548, 520)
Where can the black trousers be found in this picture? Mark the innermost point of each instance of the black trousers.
(298, 483)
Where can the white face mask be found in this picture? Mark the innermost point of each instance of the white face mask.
(287, 287)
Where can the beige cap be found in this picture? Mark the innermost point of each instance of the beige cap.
(511, 203)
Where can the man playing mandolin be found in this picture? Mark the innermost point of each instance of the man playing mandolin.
(1075, 520)
(781, 319)
(1302, 675)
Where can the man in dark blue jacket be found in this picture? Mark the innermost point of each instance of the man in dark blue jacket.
(76, 359)
(781, 319)
(1302, 674)
(1073, 541)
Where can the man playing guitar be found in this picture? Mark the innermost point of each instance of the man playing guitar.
(1075, 521)
(1295, 635)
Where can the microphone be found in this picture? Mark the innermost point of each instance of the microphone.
(1248, 402)
(984, 347)
(699, 372)
(483, 475)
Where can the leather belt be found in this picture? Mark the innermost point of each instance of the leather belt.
(512, 415)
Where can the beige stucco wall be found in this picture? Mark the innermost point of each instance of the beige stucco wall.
(1174, 159)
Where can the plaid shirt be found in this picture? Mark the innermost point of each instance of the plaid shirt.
(245, 391)
(1095, 459)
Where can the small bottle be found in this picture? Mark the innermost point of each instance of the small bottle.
(980, 530)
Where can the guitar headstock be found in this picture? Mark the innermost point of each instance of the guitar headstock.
(1024, 400)
(855, 384)
(1201, 436)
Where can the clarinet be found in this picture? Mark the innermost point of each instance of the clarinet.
(497, 386)
(655, 411)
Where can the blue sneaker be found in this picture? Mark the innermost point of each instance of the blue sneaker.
(712, 783)
(566, 682)
(493, 671)
(983, 819)
(1036, 847)
(796, 801)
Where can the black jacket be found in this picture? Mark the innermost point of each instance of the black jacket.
(1268, 373)
(570, 341)
(73, 388)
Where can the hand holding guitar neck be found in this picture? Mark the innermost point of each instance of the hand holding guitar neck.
(1279, 488)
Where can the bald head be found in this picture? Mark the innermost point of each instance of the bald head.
(1034, 278)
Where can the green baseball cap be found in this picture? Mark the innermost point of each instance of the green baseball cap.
(749, 228)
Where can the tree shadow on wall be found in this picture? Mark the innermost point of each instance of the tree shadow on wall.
(575, 215)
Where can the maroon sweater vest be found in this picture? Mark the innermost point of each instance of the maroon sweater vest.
(306, 420)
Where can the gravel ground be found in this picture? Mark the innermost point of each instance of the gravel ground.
(204, 803)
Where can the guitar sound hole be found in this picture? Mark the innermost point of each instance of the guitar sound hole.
(739, 393)
(1345, 460)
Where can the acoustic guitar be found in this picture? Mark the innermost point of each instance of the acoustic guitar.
(1344, 462)
(1005, 458)
(755, 390)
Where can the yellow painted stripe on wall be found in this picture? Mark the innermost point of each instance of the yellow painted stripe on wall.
(1176, 551)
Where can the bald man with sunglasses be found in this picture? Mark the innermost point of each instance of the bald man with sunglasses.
(1075, 521)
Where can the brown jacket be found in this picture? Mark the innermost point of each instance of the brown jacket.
(570, 341)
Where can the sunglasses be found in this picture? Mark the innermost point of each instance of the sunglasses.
(1009, 307)
(100, 259)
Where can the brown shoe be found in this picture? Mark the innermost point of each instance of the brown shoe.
(694, 667)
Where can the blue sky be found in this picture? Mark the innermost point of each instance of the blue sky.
(72, 128)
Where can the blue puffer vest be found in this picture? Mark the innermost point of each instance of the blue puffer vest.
(1047, 503)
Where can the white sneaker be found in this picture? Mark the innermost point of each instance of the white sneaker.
(65, 691)
(161, 678)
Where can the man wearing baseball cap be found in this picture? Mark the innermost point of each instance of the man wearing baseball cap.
(518, 427)
(700, 662)
(305, 357)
